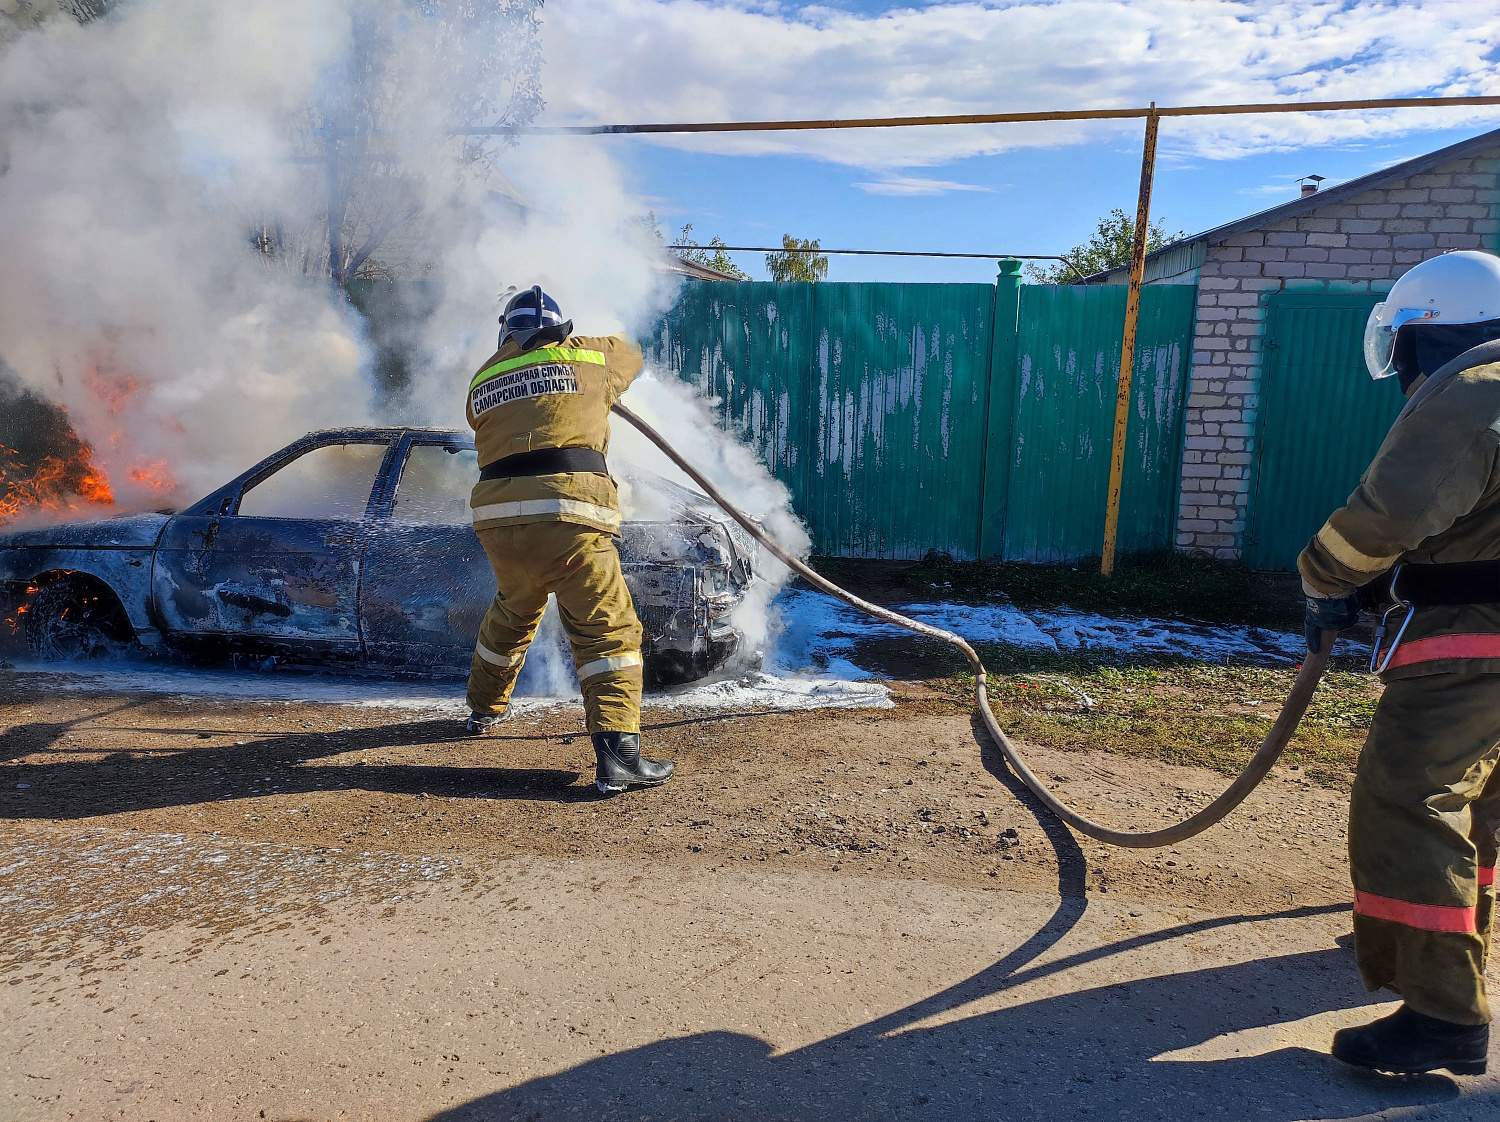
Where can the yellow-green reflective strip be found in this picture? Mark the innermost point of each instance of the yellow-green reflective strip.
(536, 358)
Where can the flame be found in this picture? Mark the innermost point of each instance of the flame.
(154, 475)
(109, 384)
(13, 623)
(53, 484)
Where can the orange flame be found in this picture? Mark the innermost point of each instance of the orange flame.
(52, 485)
(13, 623)
(154, 475)
(109, 384)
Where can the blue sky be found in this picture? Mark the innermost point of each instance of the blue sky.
(1000, 188)
(1039, 201)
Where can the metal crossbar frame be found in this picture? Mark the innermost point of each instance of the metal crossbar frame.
(888, 253)
(1151, 113)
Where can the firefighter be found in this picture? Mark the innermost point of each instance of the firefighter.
(547, 513)
(1423, 527)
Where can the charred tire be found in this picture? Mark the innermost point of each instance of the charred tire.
(75, 618)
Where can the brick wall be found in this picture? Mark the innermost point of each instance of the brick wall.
(1359, 244)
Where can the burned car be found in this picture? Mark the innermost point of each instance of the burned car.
(354, 546)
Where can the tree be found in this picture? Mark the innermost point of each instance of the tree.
(1108, 248)
(797, 261)
(19, 15)
(717, 260)
(377, 144)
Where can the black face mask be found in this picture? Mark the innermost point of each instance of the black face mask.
(1425, 348)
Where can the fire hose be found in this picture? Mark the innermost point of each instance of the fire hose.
(1308, 676)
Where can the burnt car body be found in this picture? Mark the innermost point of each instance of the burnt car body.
(354, 546)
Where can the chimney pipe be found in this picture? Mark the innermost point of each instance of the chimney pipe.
(1310, 184)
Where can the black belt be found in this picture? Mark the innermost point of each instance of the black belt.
(546, 461)
(1450, 585)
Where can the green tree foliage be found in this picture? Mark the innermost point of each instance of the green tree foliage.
(717, 260)
(797, 262)
(1107, 248)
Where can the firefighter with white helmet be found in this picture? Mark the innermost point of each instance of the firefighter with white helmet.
(1421, 534)
(547, 513)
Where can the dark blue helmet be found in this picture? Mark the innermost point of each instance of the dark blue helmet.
(533, 319)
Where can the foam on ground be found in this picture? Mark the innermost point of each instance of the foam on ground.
(822, 631)
(757, 690)
(809, 666)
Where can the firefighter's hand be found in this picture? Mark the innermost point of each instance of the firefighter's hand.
(1329, 615)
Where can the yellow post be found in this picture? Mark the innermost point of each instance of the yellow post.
(1127, 346)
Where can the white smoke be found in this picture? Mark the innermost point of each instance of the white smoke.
(133, 151)
(548, 669)
(689, 425)
(149, 158)
(577, 233)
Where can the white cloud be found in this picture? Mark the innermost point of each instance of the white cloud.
(621, 61)
(912, 185)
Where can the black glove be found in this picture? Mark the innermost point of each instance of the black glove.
(1330, 615)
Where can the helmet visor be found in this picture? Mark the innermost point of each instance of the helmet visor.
(1380, 344)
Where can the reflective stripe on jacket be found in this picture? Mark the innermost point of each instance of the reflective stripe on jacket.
(1431, 495)
(552, 397)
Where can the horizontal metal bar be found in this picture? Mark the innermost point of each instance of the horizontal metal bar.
(876, 252)
(981, 118)
(891, 253)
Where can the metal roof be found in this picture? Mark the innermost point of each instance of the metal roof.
(1319, 199)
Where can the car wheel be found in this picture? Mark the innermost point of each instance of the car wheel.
(73, 618)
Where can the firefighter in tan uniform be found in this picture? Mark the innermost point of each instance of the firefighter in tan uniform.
(1423, 528)
(547, 513)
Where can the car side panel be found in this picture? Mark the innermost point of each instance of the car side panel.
(126, 571)
(116, 551)
(425, 589)
(282, 582)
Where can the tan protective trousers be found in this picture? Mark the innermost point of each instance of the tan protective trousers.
(582, 568)
(1423, 818)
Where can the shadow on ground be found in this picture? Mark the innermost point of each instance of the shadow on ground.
(1079, 1055)
(1099, 1052)
(207, 764)
(285, 763)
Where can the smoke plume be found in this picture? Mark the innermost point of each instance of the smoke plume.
(188, 191)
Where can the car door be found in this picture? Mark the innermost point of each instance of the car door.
(427, 582)
(277, 563)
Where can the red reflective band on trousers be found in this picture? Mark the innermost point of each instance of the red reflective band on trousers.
(1446, 646)
(1428, 917)
(1486, 876)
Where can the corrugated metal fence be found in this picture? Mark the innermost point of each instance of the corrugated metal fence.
(969, 418)
(1320, 424)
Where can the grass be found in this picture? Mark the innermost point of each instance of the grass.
(1162, 583)
(1174, 710)
(1195, 714)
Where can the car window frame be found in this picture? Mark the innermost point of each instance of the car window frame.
(225, 503)
(383, 509)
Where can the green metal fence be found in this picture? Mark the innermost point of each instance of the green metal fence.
(1063, 388)
(969, 418)
(1321, 421)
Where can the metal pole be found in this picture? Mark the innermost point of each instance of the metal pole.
(1127, 344)
(970, 118)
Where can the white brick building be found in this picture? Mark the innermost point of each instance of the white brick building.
(1356, 237)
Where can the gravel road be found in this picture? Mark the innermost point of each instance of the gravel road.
(245, 909)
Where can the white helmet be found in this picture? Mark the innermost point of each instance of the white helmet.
(1460, 287)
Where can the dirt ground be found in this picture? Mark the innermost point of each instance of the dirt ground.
(221, 908)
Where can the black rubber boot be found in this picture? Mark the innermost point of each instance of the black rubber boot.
(1409, 1043)
(621, 765)
(480, 723)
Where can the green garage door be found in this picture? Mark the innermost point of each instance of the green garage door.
(1321, 421)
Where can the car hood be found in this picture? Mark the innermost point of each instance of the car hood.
(126, 531)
